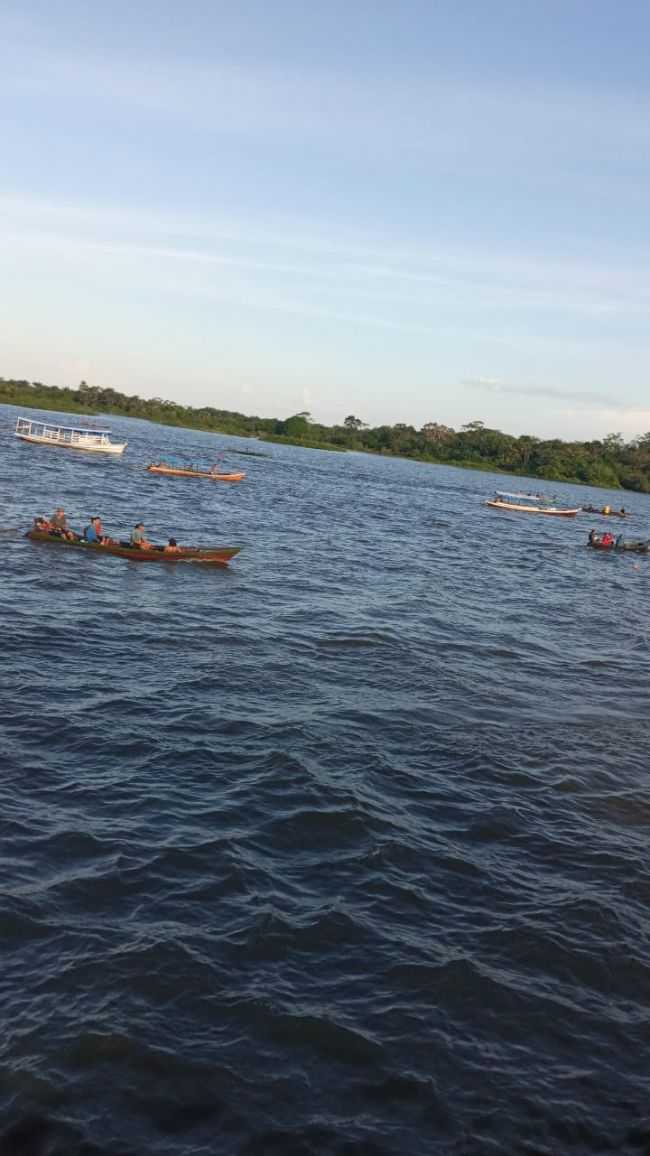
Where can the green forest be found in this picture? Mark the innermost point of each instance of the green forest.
(609, 462)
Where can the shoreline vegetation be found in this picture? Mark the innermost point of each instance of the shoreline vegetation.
(609, 462)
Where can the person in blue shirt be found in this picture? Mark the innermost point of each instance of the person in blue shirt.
(93, 531)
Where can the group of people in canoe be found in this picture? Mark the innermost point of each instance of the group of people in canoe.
(217, 468)
(605, 539)
(606, 510)
(59, 527)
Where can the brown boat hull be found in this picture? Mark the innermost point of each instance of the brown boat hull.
(634, 547)
(212, 555)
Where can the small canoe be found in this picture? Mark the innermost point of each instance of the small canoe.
(619, 545)
(216, 555)
(174, 472)
(606, 513)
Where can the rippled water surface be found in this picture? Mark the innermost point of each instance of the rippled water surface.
(342, 850)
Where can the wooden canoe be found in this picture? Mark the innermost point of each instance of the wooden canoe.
(635, 546)
(216, 555)
(606, 513)
(174, 472)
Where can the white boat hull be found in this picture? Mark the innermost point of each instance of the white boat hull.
(88, 447)
(550, 510)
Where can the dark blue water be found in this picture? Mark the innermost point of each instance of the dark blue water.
(342, 850)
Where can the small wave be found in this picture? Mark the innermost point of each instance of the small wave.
(322, 1033)
(351, 642)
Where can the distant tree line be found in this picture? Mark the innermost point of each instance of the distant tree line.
(609, 461)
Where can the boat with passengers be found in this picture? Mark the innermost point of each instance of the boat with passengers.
(609, 542)
(165, 469)
(208, 555)
(530, 504)
(69, 437)
(607, 511)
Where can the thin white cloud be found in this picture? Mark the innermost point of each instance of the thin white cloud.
(598, 402)
(357, 266)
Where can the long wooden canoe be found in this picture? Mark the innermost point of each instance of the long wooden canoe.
(606, 513)
(216, 555)
(174, 472)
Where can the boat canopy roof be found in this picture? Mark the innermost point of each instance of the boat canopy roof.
(529, 497)
(82, 429)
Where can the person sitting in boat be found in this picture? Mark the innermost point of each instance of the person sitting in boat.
(172, 547)
(59, 525)
(94, 532)
(593, 537)
(607, 539)
(43, 525)
(138, 537)
(623, 512)
(607, 509)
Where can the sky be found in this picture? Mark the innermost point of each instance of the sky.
(433, 210)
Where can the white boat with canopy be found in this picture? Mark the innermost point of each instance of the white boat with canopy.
(529, 504)
(70, 437)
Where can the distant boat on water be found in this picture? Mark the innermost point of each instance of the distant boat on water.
(214, 474)
(609, 542)
(68, 437)
(529, 504)
(607, 511)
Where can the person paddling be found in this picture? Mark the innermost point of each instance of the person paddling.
(59, 524)
(138, 537)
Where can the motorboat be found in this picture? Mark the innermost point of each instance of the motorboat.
(69, 437)
(530, 504)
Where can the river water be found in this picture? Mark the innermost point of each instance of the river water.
(342, 850)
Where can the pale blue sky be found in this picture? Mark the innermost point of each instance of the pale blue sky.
(409, 211)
